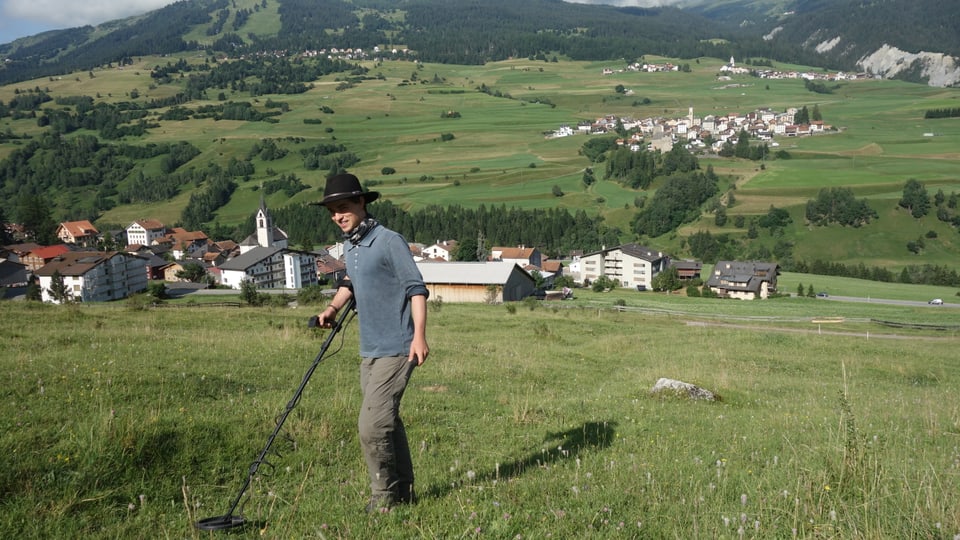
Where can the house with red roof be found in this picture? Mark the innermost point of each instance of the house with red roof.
(36, 259)
(81, 233)
(521, 255)
(185, 244)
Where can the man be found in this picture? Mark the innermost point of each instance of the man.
(391, 301)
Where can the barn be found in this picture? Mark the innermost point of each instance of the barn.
(482, 282)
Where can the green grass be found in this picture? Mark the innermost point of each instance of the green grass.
(533, 422)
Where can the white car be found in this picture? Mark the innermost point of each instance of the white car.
(936, 302)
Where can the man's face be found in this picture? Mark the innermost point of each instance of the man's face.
(347, 213)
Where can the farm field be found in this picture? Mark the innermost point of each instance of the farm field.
(528, 419)
(496, 152)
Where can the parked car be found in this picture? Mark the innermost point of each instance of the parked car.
(936, 302)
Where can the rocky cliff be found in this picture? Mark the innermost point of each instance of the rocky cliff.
(938, 69)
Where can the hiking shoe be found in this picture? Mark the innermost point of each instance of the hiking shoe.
(379, 504)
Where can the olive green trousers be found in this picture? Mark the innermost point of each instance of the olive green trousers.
(383, 438)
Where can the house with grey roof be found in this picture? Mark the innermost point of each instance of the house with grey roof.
(94, 276)
(12, 274)
(744, 280)
(630, 265)
(481, 282)
(270, 268)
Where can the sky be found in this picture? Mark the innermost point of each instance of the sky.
(21, 18)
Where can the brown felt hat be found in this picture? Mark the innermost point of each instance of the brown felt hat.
(345, 186)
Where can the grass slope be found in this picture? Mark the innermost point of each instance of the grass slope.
(531, 422)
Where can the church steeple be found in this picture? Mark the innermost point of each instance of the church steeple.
(264, 225)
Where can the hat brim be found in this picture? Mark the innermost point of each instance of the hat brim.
(369, 196)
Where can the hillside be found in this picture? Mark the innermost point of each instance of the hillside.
(460, 32)
(137, 423)
(197, 138)
(917, 40)
(839, 34)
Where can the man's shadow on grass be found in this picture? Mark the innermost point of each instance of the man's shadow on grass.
(563, 445)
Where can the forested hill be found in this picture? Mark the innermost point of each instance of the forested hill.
(846, 30)
(445, 31)
(829, 33)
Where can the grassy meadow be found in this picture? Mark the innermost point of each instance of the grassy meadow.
(528, 421)
(499, 154)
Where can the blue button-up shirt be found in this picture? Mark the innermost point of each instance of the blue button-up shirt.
(384, 278)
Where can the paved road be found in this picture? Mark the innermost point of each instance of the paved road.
(912, 303)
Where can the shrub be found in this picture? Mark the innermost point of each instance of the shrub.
(312, 294)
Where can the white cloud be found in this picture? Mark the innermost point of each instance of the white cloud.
(72, 13)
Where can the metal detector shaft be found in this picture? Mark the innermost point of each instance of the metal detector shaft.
(229, 520)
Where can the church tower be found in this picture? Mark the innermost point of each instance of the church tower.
(266, 234)
(264, 225)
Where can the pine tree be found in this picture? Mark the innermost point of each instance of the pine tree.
(58, 289)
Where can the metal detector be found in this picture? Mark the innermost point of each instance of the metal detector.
(230, 520)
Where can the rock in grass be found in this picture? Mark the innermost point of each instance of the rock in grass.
(674, 387)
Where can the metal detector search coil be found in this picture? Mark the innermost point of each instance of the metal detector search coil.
(231, 520)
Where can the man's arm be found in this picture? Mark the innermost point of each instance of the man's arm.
(418, 348)
(329, 313)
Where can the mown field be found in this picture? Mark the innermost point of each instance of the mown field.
(499, 154)
(528, 421)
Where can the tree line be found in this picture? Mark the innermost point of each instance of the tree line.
(555, 232)
(942, 113)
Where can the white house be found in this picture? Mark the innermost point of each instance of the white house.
(185, 244)
(336, 250)
(744, 280)
(145, 231)
(521, 255)
(443, 249)
(270, 268)
(483, 282)
(94, 276)
(630, 265)
(82, 233)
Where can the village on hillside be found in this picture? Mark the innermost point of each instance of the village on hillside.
(710, 132)
(90, 266)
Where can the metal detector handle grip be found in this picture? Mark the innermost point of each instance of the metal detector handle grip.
(314, 321)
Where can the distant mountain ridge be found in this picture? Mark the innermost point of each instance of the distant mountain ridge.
(917, 40)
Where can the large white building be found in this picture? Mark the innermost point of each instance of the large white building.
(266, 261)
(94, 276)
(145, 231)
(270, 268)
(630, 265)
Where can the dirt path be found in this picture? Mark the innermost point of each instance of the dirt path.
(819, 331)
